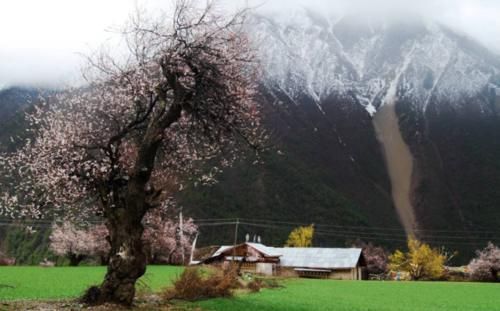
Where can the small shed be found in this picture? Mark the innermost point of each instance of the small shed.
(332, 263)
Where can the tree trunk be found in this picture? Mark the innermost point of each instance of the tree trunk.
(104, 260)
(74, 259)
(494, 274)
(124, 214)
(127, 261)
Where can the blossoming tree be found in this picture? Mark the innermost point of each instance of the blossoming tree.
(166, 241)
(486, 266)
(375, 257)
(78, 243)
(181, 100)
(162, 239)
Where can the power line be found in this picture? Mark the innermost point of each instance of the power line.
(213, 219)
(340, 234)
(215, 224)
(440, 242)
(365, 233)
(366, 227)
(386, 230)
(336, 231)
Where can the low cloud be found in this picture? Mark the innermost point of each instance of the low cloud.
(477, 18)
(41, 39)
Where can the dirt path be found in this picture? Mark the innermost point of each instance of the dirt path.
(145, 304)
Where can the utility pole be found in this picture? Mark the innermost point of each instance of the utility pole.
(235, 238)
(193, 249)
(181, 234)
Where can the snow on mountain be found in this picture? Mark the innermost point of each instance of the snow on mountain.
(308, 53)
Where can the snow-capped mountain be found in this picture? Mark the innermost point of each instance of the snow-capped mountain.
(306, 52)
(325, 81)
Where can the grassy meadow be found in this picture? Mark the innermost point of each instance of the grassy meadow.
(309, 294)
(36, 283)
(19, 283)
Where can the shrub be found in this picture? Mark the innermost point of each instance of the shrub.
(193, 285)
(301, 237)
(6, 261)
(271, 283)
(487, 264)
(421, 261)
(255, 285)
(375, 257)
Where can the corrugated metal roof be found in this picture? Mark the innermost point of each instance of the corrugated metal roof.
(266, 250)
(312, 270)
(307, 257)
(221, 250)
(313, 257)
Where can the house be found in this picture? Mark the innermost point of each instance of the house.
(329, 263)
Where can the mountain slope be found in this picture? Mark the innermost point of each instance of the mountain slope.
(310, 53)
(14, 99)
(325, 80)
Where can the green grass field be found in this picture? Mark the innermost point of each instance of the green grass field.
(307, 294)
(28, 283)
(18, 283)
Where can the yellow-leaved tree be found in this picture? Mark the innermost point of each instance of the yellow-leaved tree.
(301, 237)
(421, 261)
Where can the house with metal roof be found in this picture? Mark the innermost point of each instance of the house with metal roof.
(333, 263)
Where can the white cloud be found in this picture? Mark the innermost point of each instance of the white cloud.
(40, 39)
(479, 19)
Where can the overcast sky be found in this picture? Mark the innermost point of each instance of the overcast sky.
(40, 41)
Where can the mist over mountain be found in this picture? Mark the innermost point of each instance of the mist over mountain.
(14, 99)
(325, 79)
(311, 54)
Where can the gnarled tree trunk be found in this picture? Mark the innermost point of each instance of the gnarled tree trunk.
(127, 261)
(128, 258)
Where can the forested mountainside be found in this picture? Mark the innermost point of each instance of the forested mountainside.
(14, 99)
(324, 81)
(13, 102)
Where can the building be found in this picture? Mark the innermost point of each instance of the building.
(328, 263)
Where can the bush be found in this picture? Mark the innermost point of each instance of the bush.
(479, 271)
(421, 261)
(193, 284)
(255, 285)
(301, 237)
(6, 261)
(271, 283)
(486, 266)
(375, 257)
